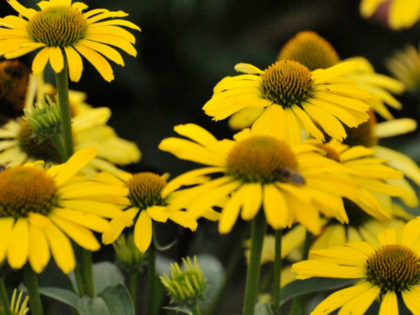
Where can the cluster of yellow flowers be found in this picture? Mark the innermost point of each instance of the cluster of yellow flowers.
(306, 158)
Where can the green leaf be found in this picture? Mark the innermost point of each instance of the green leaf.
(62, 295)
(263, 309)
(301, 287)
(106, 275)
(118, 300)
(93, 306)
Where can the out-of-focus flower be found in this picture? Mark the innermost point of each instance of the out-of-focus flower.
(40, 209)
(402, 13)
(405, 66)
(64, 33)
(387, 271)
(16, 308)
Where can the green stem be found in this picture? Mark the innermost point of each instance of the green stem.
(4, 299)
(258, 228)
(196, 310)
(62, 82)
(133, 279)
(232, 267)
(277, 271)
(31, 283)
(298, 302)
(85, 261)
(59, 145)
(151, 275)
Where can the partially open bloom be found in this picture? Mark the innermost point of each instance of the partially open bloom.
(19, 143)
(145, 205)
(405, 66)
(387, 271)
(315, 101)
(64, 33)
(40, 209)
(402, 13)
(260, 170)
(16, 307)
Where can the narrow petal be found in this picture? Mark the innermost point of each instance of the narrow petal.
(389, 304)
(105, 50)
(75, 63)
(61, 248)
(6, 225)
(18, 250)
(231, 210)
(252, 200)
(411, 299)
(97, 61)
(40, 60)
(143, 232)
(39, 253)
(276, 209)
(56, 59)
(118, 224)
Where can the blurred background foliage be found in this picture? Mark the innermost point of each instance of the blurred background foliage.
(184, 49)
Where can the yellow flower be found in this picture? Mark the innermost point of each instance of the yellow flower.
(147, 204)
(402, 13)
(18, 145)
(259, 169)
(314, 52)
(64, 33)
(387, 271)
(369, 133)
(317, 100)
(40, 209)
(405, 66)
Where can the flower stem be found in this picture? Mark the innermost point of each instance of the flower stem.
(196, 310)
(258, 228)
(4, 299)
(31, 283)
(133, 279)
(62, 83)
(85, 260)
(151, 275)
(277, 271)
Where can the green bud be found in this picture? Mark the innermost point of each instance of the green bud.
(128, 256)
(44, 118)
(186, 286)
(16, 307)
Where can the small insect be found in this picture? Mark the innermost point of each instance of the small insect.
(290, 176)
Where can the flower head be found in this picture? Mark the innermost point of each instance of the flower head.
(127, 254)
(185, 286)
(402, 14)
(259, 170)
(16, 307)
(40, 209)
(145, 205)
(405, 66)
(64, 33)
(387, 271)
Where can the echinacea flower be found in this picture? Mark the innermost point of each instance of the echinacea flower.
(315, 52)
(64, 33)
(405, 66)
(315, 101)
(40, 209)
(402, 13)
(387, 271)
(145, 205)
(19, 144)
(259, 170)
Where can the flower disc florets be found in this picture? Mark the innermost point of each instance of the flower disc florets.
(58, 26)
(364, 134)
(36, 147)
(26, 189)
(393, 268)
(286, 83)
(262, 159)
(145, 189)
(311, 50)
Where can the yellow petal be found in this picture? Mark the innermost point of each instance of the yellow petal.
(6, 225)
(276, 209)
(143, 231)
(389, 304)
(75, 63)
(39, 253)
(61, 248)
(18, 250)
(56, 59)
(117, 225)
(97, 61)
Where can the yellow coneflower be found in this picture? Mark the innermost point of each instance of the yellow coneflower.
(402, 13)
(315, 101)
(145, 206)
(62, 31)
(259, 169)
(386, 271)
(40, 209)
(405, 66)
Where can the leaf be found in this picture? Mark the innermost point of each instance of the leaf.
(106, 275)
(118, 300)
(61, 295)
(301, 287)
(93, 306)
(263, 309)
